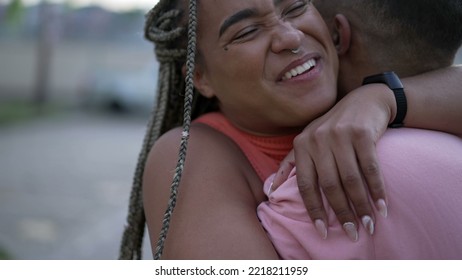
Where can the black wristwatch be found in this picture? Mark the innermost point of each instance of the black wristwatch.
(394, 83)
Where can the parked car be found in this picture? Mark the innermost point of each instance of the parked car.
(120, 91)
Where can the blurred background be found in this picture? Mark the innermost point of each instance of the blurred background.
(77, 82)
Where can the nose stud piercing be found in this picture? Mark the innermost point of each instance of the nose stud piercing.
(295, 51)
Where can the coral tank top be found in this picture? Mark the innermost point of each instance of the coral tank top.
(263, 152)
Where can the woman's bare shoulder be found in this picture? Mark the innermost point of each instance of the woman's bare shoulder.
(206, 147)
(201, 137)
(216, 193)
(210, 155)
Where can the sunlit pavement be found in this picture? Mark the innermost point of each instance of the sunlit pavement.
(64, 185)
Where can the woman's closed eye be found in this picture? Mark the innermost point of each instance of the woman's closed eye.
(296, 9)
(245, 34)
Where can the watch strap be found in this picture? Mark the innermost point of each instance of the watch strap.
(394, 83)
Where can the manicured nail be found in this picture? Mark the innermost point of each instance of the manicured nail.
(351, 231)
(382, 206)
(368, 224)
(270, 190)
(321, 228)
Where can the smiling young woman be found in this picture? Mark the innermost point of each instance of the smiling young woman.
(266, 92)
(262, 71)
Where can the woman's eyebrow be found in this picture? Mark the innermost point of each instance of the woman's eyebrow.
(235, 18)
(241, 15)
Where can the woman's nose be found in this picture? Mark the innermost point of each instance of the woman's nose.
(285, 37)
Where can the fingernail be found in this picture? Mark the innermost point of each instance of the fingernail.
(382, 206)
(270, 190)
(368, 224)
(321, 228)
(351, 231)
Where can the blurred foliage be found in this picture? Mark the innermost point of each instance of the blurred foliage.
(14, 111)
(4, 255)
(14, 12)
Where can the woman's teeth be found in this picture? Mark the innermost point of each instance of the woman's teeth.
(300, 69)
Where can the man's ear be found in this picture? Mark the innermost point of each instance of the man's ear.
(341, 34)
(201, 82)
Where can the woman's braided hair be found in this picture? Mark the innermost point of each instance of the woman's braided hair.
(165, 28)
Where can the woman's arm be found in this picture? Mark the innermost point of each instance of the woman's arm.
(215, 216)
(336, 153)
(435, 100)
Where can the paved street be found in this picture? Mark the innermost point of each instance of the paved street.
(64, 185)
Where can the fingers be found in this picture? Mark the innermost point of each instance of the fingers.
(354, 186)
(367, 157)
(285, 167)
(331, 185)
(316, 170)
(339, 160)
(311, 195)
(335, 168)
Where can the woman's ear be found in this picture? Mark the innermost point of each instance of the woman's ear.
(201, 82)
(341, 34)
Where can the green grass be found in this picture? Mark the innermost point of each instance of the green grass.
(14, 111)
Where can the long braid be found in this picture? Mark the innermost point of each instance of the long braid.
(163, 28)
(189, 93)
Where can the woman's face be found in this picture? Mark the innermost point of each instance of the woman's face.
(246, 61)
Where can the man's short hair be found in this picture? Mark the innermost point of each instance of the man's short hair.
(408, 29)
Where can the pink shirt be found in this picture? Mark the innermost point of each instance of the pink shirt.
(423, 176)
